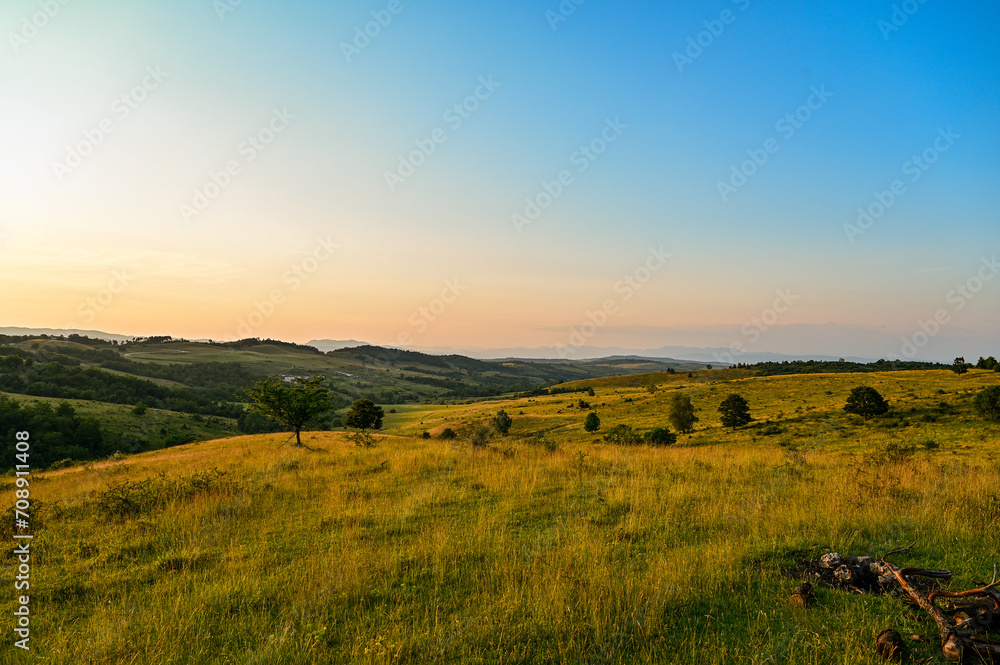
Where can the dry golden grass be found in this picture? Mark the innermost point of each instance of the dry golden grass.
(420, 551)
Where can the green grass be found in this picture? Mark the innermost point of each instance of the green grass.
(420, 551)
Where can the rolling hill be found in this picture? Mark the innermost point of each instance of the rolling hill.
(545, 545)
(385, 375)
(188, 391)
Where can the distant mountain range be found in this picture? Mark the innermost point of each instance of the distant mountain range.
(325, 345)
(713, 355)
(668, 354)
(95, 334)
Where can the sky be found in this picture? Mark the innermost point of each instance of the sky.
(809, 179)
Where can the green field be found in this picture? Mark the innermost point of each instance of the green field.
(546, 546)
(153, 430)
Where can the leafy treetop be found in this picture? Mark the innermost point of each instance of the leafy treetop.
(292, 404)
(866, 402)
(364, 414)
(734, 411)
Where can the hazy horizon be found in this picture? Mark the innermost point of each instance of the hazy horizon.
(795, 180)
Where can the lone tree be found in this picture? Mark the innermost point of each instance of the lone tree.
(987, 403)
(735, 411)
(364, 415)
(592, 423)
(502, 422)
(293, 404)
(866, 402)
(680, 413)
(959, 366)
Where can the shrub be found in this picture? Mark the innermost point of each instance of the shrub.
(502, 422)
(425, 435)
(660, 436)
(448, 433)
(622, 435)
(362, 439)
(480, 436)
(139, 409)
(592, 423)
(987, 403)
(134, 498)
(176, 439)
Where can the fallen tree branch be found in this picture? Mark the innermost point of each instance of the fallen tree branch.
(957, 638)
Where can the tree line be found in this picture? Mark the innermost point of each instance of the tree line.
(52, 379)
(61, 433)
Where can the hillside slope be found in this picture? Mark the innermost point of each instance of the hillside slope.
(532, 549)
(387, 376)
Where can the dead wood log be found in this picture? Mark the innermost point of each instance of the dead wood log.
(957, 639)
(802, 595)
(889, 644)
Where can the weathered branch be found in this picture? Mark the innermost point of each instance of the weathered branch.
(956, 640)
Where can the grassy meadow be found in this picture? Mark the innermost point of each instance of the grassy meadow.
(547, 546)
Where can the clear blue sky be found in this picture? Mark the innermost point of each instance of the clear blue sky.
(438, 257)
